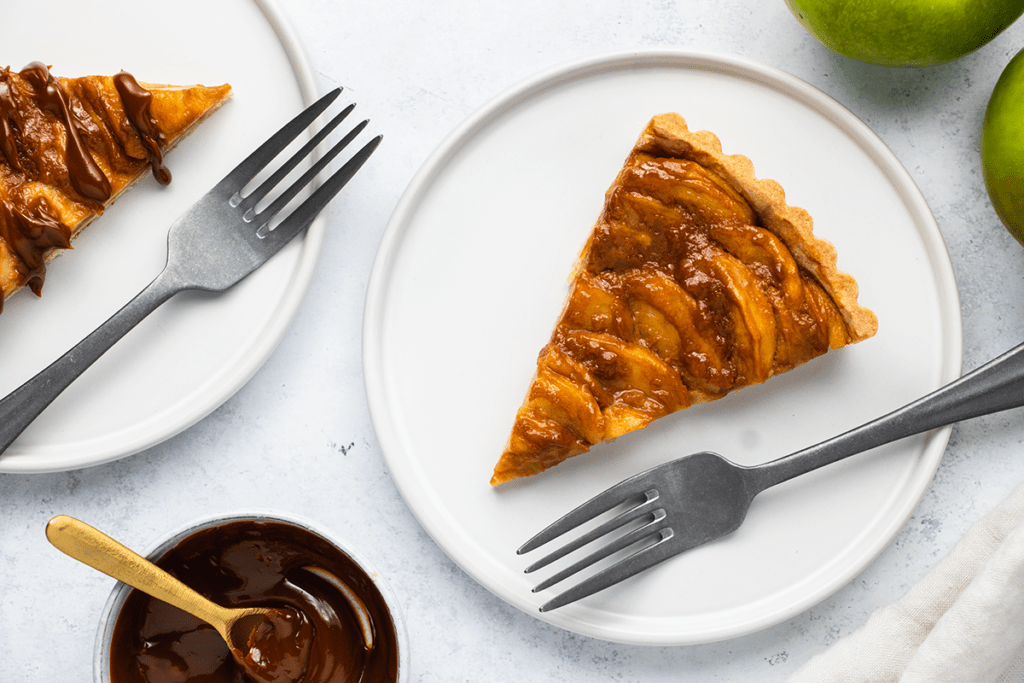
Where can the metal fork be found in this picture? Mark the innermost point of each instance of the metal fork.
(677, 506)
(218, 241)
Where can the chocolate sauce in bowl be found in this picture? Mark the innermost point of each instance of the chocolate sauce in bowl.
(277, 647)
(258, 563)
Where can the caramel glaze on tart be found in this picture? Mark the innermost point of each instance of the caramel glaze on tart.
(70, 146)
(697, 280)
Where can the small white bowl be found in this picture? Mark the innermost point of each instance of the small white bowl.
(109, 615)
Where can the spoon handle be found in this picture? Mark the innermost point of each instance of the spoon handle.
(94, 548)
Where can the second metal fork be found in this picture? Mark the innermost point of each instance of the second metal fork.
(218, 241)
(695, 499)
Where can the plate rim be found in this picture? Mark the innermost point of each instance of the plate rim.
(96, 451)
(607, 62)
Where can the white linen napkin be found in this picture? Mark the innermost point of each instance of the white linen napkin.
(962, 623)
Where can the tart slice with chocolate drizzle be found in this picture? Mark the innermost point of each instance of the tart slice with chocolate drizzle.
(70, 146)
(697, 280)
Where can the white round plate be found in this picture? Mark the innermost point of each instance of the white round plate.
(471, 276)
(194, 352)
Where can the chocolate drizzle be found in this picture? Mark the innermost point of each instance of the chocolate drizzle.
(30, 235)
(86, 177)
(137, 100)
(30, 232)
(8, 120)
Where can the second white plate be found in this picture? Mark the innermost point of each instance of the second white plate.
(471, 275)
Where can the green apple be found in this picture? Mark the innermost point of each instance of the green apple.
(905, 32)
(1002, 147)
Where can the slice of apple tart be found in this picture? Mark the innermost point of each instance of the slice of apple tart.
(70, 146)
(697, 280)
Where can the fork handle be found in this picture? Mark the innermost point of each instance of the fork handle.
(23, 405)
(996, 386)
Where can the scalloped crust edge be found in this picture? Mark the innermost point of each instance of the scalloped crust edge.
(669, 134)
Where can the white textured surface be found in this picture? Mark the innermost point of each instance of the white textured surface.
(298, 438)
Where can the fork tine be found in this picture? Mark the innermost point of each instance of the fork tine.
(302, 216)
(270, 183)
(624, 491)
(280, 202)
(656, 525)
(254, 163)
(650, 499)
(639, 561)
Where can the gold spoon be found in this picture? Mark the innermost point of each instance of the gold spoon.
(94, 548)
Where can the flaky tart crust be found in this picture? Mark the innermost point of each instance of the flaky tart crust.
(69, 147)
(697, 280)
